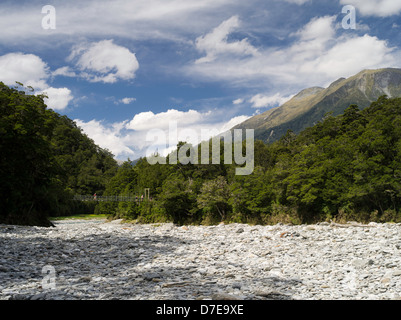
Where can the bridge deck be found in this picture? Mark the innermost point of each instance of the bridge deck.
(110, 198)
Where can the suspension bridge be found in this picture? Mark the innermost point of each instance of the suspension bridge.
(122, 198)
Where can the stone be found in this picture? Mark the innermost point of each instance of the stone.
(86, 279)
(150, 276)
(236, 285)
(99, 260)
(361, 263)
(117, 221)
(396, 273)
(273, 295)
(39, 296)
(225, 297)
(19, 297)
(175, 284)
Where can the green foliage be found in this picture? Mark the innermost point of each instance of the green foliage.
(45, 160)
(214, 198)
(178, 199)
(27, 166)
(344, 167)
(347, 164)
(85, 168)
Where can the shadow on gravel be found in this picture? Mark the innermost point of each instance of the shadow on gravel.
(113, 266)
(212, 287)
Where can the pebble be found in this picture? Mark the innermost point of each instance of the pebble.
(100, 260)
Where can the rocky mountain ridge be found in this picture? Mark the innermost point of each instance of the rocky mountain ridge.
(311, 105)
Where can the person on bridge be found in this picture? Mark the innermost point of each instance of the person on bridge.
(95, 197)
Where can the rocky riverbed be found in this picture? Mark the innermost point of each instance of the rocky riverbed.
(103, 260)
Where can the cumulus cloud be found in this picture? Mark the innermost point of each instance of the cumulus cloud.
(134, 138)
(192, 126)
(342, 59)
(104, 61)
(29, 69)
(380, 8)
(149, 120)
(58, 98)
(106, 136)
(127, 100)
(32, 71)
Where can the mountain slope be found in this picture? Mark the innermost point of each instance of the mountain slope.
(311, 105)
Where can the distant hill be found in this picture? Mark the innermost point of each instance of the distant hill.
(311, 105)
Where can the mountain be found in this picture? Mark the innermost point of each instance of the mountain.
(311, 105)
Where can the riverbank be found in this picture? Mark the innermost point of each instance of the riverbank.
(96, 259)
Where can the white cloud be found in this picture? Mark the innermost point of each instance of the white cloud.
(65, 72)
(317, 56)
(139, 19)
(238, 101)
(106, 136)
(104, 61)
(129, 138)
(149, 120)
(127, 100)
(233, 122)
(215, 43)
(58, 98)
(32, 71)
(342, 59)
(265, 101)
(25, 68)
(192, 126)
(380, 8)
(319, 29)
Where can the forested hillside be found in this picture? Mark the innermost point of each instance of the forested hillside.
(346, 167)
(44, 160)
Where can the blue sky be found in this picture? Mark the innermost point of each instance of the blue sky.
(122, 68)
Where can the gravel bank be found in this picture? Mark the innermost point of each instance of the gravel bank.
(100, 260)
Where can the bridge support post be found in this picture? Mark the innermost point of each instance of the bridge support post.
(147, 193)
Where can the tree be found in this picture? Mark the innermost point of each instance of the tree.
(178, 199)
(45, 160)
(27, 166)
(214, 197)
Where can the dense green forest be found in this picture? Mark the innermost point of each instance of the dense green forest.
(346, 167)
(44, 160)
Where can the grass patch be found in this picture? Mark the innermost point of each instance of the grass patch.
(80, 217)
